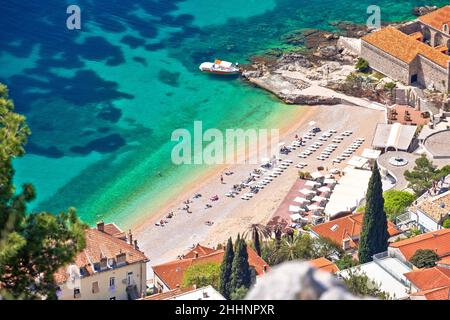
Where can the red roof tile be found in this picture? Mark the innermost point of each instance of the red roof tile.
(347, 228)
(324, 264)
(433, 283)
(101, 244)
(437, 18)
(171, 273)
(439, 241)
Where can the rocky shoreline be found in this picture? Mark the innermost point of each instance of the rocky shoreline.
(324, 60)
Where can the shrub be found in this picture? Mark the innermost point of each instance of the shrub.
(362, 65)
(446, 223)
(424, 258)
(390, 86)
(396, 202)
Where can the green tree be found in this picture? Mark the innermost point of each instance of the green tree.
(422, 176)
(374, 235)
(396, 202)
(240, 271)
(359, 284)
(424, 258)
(346, 262)
(32, 246)
(225, 270)
(202, 275)
(362, 65)
(446, 223)
(239, 293)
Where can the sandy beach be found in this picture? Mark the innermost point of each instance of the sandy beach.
(233, 215)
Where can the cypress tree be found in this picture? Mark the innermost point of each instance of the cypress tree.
(241, 273)
(225, 270)
(256, 242)
(374, 235)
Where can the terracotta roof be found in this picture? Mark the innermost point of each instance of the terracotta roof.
(437, 18)
(439, 241)
(199, 251)
(435, 294)
(347, 228)
(437, 208)
(444, 261)
(100, 245)
(171, 273)
(324, 264)
(404, 47)
(114, 230)
(433, 283)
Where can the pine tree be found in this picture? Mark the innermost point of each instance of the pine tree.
(241, 273)
(225, 270)
(374, 235)
(32, 246)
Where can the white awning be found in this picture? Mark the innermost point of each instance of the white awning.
(301, 200)
(295, 217)
(294, 208)
(307, 191)
(316, 175)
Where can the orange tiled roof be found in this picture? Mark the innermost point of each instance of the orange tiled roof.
(324, 264)
(439, 241)
(404, 47)
(437, 18)
(171, 273)
(435, 294)
(444, 261)
(347, 228)
(200, 251)
(100, 244)
(433, 283)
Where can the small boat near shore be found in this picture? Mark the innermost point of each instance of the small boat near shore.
(220, 67)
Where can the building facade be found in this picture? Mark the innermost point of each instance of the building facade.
(111, 267)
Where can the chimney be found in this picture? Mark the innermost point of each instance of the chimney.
(136, 245)
(130, 237)
(196, 254)
(265, 268)
(101, 226)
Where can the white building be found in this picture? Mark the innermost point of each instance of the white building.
(388, 273)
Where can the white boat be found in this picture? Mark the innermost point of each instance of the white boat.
(219, 67)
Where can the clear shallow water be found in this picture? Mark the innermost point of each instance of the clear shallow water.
(102, 103)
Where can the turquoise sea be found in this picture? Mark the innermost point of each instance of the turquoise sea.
(103, 101)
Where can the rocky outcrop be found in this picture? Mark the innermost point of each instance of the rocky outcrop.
(420, 11)
(299, 281)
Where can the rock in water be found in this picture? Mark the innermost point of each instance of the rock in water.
(420, 11)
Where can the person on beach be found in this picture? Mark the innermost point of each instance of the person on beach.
(221, 179)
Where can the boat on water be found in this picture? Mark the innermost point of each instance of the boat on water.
(219, 67)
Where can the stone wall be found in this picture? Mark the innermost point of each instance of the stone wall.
(429, 73)
(385, 63)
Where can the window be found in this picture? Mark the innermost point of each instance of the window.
(112, 282)
(95, 287)
(129, 278)
(414, 78)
